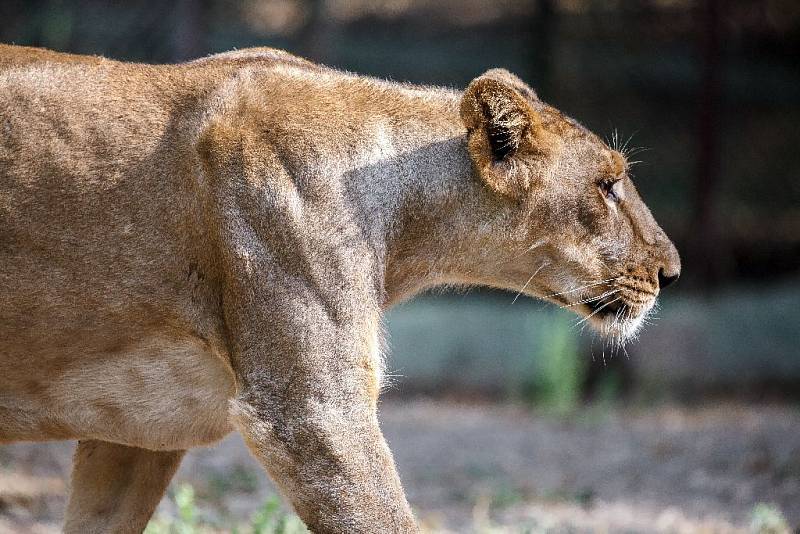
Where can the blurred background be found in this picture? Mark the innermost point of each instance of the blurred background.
(508, 418)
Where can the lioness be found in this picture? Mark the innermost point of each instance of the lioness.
(191, 249)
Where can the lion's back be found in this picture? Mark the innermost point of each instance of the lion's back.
(95, 199)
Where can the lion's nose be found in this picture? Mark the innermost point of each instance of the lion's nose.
(670, 268)
(665, 279)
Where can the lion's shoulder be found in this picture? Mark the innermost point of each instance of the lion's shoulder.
(259, 55)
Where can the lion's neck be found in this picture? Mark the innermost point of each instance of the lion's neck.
(396, 158)
(416, 191)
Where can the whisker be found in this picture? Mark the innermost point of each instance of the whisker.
(535, 244)
(582, 329)
(542, 266)
(624, 147)
(597, 310)
(615, 322)
(638, 149)
(591, 299)
(582, 287)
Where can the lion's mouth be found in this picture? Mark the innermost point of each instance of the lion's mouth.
(606, 307)
(617, 311)
(618, 315)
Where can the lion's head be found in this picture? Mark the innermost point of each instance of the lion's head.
(576, 232)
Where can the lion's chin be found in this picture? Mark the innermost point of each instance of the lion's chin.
(621, 325)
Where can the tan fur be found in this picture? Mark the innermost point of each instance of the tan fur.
(192, 248)
(115, 488)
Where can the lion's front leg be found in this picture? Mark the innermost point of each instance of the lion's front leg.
(308, 375)
(331, 461)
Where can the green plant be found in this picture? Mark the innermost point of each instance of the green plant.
(557, 383)
(768, 519)
(269, 519)
(186, 522)
(187, 510)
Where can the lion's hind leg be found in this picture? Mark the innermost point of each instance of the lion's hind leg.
(115, 488)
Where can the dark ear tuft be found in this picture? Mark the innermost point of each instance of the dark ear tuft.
(502, 140)
(499, 111)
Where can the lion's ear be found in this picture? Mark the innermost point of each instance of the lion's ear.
(507, 142)
(511, 79)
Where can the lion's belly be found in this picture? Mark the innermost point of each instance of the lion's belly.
(158, 393)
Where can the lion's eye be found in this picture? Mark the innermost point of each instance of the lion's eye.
(611, 190)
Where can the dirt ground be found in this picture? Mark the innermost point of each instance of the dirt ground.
(490, 468)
